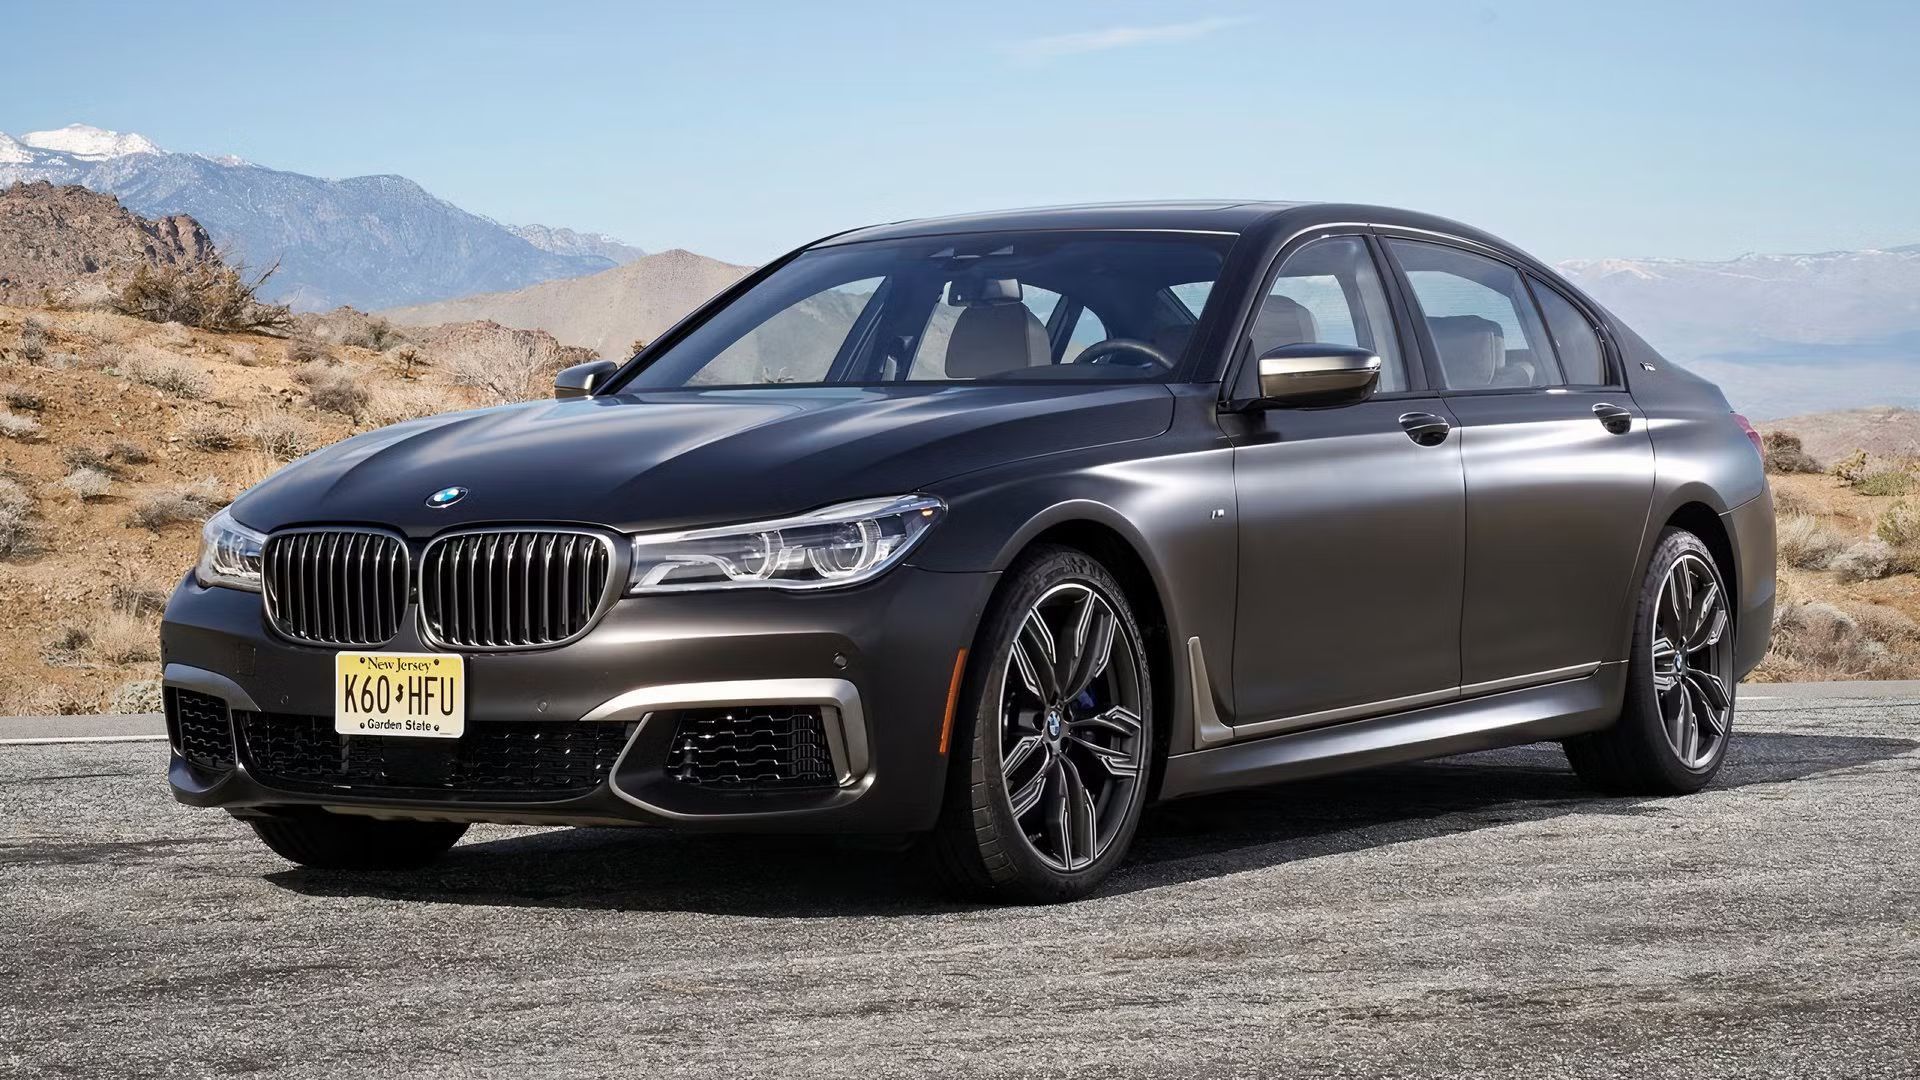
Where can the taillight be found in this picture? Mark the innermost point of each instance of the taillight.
(1752, 435)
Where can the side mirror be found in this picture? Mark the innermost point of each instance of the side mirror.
(580, 379)
(1317, 374)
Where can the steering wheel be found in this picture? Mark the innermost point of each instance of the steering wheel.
(1138, 354)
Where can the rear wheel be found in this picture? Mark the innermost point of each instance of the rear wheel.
(337, 842)
(1678, 716)
(1052, 745)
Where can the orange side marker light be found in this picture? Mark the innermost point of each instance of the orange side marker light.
(953, 699)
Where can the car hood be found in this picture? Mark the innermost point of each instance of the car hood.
(670, 460)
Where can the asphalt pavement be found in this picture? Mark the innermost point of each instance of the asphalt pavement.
(1481, 916)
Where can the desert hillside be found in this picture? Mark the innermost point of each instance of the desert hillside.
(605, 312)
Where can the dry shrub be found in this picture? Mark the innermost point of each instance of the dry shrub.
(171, 377)
(139, 599)
(1850, 468)
(209, 296)
(25, 398)
(375, 333)
(87, 484)
(308, 351)
(210, 436)
(244, 355)
(15, 426)
(1885, 482)
(41, 698)
(507, 367)
(1806, 542)
(85, 457)
(406, 401)
(1820, 640)
(114, 636)
(281, 436)
(338, 393)
(313, 371)
(182, 504)
(1785, 454)
(17, 534)
(1899, 525)
(129, 453)
(1864, 560)
(137, 696)
(33, 341)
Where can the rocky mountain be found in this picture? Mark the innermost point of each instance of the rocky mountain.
(1884, 431)
(368, 241)
(1782, 333)
(569, 242)
(58, 238)
(604, 312)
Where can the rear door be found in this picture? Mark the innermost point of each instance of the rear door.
(1557, 458)
(1350, 529)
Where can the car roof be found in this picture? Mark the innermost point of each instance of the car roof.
(1216, 215)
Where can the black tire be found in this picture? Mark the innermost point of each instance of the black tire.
(338, 842)
(979, 850)
(1635, 756)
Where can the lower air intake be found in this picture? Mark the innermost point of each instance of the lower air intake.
(498, 761)
(198, 727)
(752, 748)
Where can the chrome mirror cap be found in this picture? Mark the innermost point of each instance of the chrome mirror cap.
(1314, 373)
(580, 380)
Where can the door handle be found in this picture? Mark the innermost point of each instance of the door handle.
(1614, 418)
(1425, 428)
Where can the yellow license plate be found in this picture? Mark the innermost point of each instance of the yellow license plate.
(417, 695)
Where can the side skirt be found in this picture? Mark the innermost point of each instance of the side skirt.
(1512, 718)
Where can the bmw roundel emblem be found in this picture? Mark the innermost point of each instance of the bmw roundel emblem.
(446, 497)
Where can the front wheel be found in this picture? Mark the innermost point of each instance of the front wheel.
(1673, 730)
(1053, 743)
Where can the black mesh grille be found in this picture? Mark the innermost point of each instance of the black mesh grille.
(513, 590)
(506, 761)
(341, 587)
(198, 726)
(752, 748)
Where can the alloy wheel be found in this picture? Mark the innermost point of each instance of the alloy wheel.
(1693, 661)
(1072, 743)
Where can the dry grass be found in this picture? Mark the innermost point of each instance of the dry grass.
(1885, 482)
(1785, 454)
(182, 504)
(24, 398)
(17, 427)
(396, 402)
(1863, 560)
(87, 484)
(1807, 543)
(171, 377)
(129, 453)
(279, 434)
(210, 436)
(338, 393)
(17, 524)
(114, 636)
(1818, 640)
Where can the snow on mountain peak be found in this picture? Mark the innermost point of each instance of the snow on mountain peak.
(11, 152)
(89, 142)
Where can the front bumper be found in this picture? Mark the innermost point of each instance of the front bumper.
(878, 657)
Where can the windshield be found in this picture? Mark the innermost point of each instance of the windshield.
(994, 307)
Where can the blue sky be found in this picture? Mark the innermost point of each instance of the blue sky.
(739, 130)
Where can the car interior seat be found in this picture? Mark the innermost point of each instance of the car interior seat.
(988, 339)
(1472, 349)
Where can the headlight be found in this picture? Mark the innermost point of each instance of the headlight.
(229, 554)
(840, 545)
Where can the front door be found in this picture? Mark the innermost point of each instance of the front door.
(1351, 531)
(1558, 462)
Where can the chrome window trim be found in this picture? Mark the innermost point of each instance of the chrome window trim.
(406, 576)
(617, 569)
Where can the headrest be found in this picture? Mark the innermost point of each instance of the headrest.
(1282, 321)
(989, 340)
(1471, 348)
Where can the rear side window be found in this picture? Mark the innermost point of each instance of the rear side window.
(1480, 317)
(1573, 337)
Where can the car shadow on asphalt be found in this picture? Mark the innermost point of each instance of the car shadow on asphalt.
(1187, 840)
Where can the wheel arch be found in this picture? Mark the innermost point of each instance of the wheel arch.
(1704, 522)
(1110, 540)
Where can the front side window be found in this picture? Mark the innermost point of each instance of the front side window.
(1480, 317)
(1329, 292)
(1573, 337)
(991, 307)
